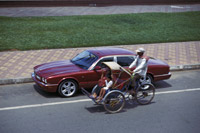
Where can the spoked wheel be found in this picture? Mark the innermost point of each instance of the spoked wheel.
(114, 102)
(145, 95)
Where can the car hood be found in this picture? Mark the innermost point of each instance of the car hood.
(56, 68)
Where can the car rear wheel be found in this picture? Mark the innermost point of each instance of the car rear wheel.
(67, 88)
(148, 79)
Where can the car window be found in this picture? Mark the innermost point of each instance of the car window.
(84, 59)
(125, 60)
(107, 59)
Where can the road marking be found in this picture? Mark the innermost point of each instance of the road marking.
(85, 100)
(179, 7)
(44, 104)
(177, 91)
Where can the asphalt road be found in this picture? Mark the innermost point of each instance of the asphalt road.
(175, 108)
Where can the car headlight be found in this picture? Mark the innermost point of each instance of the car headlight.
(38, 77)
(44, 80)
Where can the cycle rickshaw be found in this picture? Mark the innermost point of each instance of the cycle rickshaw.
(116, 97)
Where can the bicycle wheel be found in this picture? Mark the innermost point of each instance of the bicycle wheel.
(145, 95)
(114, 102)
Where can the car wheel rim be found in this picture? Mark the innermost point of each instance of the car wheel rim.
(148, 80)
(68, 88)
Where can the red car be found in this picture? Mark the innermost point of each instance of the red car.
(84, 70)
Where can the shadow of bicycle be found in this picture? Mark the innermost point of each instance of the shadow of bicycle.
(129, 105)
(95, 108)
(162, 85)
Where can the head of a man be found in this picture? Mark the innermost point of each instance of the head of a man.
(140, 51)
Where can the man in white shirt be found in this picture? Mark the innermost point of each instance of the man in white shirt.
(141, 66)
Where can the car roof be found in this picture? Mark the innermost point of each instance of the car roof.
(108, 51)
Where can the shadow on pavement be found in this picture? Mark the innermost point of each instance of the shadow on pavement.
(100, 108)
(162, 85)
(95, 108)
(44, 93)
(134, 104)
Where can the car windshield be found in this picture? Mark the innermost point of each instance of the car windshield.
(84, 59)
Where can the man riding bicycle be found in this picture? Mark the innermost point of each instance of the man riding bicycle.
(141, 66)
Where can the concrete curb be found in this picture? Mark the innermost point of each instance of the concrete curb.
(16, 80)
(29, 79)
(184, 67)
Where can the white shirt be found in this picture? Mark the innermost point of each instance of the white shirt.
(141, 66)
(108, 84)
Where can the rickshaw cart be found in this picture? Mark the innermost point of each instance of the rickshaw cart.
(121, 91)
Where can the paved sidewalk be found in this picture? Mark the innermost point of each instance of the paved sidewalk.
(68, 11)
(19, 64)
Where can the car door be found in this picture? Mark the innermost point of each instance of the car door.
(92, 76)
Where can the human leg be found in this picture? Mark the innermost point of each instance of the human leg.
(102, 92)
(134, 80)
(96, 91)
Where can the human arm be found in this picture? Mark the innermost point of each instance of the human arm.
(108, 84)
(133, 63)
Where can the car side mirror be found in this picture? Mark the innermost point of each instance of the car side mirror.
(97, 68)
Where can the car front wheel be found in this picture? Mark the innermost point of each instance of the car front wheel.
(67, 88)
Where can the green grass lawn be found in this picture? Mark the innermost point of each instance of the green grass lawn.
(26, 33)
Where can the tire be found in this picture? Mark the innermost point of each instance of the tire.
(145, 96)
(148, 80)
(68, 88)
(114, 102)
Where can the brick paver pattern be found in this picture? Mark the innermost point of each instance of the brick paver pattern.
(20, 63)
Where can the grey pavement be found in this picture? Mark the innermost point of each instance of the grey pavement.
(84, 10)
(175, 108)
